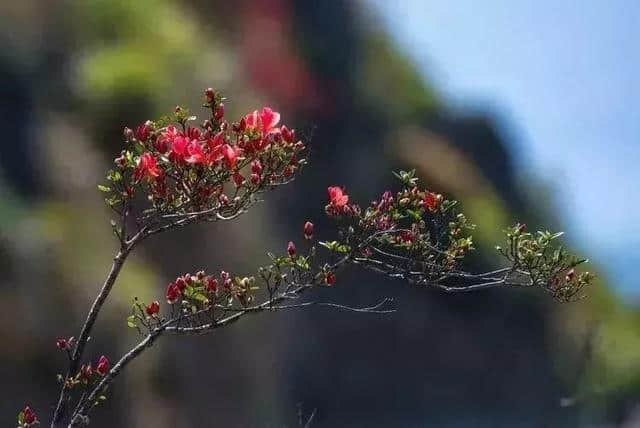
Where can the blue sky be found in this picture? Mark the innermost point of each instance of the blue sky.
(565, 77)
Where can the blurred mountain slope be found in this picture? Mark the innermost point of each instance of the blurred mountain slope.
(500, 358)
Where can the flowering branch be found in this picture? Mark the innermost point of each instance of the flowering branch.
(173, 174)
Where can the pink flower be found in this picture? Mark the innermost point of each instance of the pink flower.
(216, 141)
(264, 121)
(308, 230)
(147, 167)
(337, 197)
(103, 366)
(230, 155)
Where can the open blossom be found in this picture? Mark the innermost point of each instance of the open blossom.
(194, 153)
(432, 201)
(147, 167)
(230, 155)
(337, 197)
(264, 121)
(103, 366)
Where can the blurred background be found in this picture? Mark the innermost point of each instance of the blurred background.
(522, 110)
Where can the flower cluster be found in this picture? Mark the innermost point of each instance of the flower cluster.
(549, 267)
(217, 166)
(87, 373)
(415, 226)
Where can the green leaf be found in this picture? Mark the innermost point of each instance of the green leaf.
(103, 188)
(131, 321)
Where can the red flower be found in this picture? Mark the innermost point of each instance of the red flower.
(179, 147)
(194, 153)
(103, 366)
(308, 230)
(288, 134)
(173, 293)
(291, 249)
(152, 308)
(28, 416)
(431, 201)
(337, 197)
(264, 121)
(330, 278)
(216, 141)
(147, 167)
(143, 131)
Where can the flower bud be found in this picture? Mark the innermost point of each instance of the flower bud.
(128, 134)
(219, 112)
(308, 230)
(330, 278)
(256, 167)
(571, 275)
(181, 284)
(238, 179)
(152, 308)
(103, 366)
(28, 416)
(86, 371)
(291, 249)
(173, 293)
(212, 285)
(255, 179)
(62, 344)
(210, 94)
